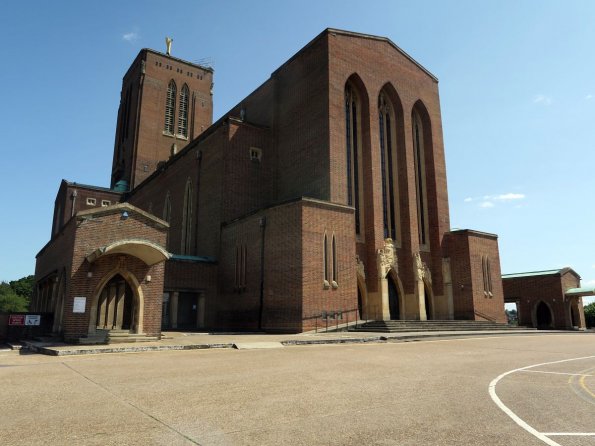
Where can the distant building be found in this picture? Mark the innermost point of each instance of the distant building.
(550, 299)
(322, 192)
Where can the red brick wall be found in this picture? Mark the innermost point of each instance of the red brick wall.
(55, 257)
(466, 250)
(319, 218)
(205, 172)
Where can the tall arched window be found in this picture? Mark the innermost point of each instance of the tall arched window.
(167, 208)
(183, 114)
(187, 219)
(353, 148)
(388, 159)
(420, 178)
(170, 107)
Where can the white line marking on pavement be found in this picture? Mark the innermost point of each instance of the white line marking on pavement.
(570, 434)
(554, 373)
(492, 390)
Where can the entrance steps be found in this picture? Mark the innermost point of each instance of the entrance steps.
(102, 336)
(121, 336)
(433, 325)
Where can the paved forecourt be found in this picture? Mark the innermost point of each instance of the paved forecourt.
(437, 392)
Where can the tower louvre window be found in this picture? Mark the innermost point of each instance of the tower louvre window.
(170, 108)
(183, 114)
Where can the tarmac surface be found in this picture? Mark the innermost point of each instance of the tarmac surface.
(514, 389)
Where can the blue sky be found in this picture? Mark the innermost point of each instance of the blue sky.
(517, 85)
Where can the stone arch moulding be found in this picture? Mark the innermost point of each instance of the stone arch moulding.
(150, 253)
(137, 292)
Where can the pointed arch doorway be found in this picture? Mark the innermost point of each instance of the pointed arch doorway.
(543, 316)
(116, 309)
(427, 302)
(393, 299)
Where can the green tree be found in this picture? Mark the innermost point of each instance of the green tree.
(10, 301)
(24, 286)
(590, 314)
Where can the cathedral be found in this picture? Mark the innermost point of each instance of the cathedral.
(322, 194)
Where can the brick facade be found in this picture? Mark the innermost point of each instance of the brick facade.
(278, 211)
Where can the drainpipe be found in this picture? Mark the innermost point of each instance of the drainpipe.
(199, 162)
(263, 225)
(73, 196)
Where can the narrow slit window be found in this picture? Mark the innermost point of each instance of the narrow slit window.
(325, 260)
(334, 262)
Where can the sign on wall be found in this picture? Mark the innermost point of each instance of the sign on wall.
(79, 304)
(16, 319)
(32, 319)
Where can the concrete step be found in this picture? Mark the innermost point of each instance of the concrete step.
(397, 326)
(124, 336)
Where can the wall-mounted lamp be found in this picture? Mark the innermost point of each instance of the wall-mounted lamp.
(89, 274)
(148, 279)
(124, 215)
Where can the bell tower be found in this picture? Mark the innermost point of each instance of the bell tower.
(165, 103)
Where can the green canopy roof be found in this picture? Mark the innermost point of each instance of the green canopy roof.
(583, 291)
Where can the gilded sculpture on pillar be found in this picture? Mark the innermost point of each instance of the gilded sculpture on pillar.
(387, 258)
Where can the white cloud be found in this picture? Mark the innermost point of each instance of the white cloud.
(542, 99)
(489, 201)
(509, 196)
(593, 266)
(588, 97)
(130, 37)
(588, 283)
